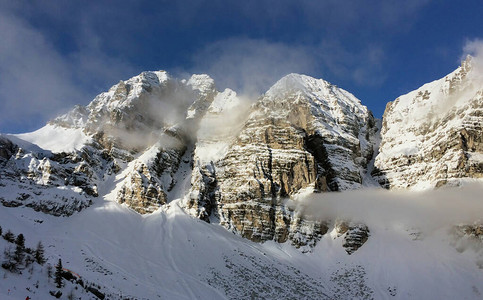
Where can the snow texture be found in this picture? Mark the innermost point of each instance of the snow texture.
(170, 255)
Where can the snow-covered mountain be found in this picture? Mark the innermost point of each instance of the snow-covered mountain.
(128, 142)
(152, 139)
(433, 136)
(154, 155)
(304, 135)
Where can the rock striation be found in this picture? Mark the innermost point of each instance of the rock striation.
(304, 134)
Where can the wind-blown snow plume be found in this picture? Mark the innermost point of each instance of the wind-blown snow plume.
(470, 72)
(251, 66)
(475, 49)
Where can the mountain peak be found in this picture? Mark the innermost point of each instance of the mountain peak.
(433, 123)
(294, 82)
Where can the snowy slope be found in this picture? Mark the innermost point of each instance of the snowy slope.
(57, 139)
(219, 126)
(170, 255)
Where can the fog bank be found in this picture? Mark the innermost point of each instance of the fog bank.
(429, 210)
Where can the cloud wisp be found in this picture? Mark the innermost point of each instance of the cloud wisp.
(35, 78)
(251, 66)
(472, 84)
(427, 211)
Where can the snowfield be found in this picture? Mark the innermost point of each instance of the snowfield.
(171, 255)
(56, 138)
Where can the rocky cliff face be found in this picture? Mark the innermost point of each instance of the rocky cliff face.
(149, 178)
(55, 183)
(354, 235)
(433, 136)
(305, 135)
(146, 124)
(141, 127)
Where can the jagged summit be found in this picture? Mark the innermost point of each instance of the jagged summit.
(119, 96)
(123, 94)
(202, 82)
(290, 83)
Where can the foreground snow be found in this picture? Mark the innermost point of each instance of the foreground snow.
(170, 255)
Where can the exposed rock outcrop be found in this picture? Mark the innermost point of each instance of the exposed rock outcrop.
(354, 234)
(474, 231)
(54, 183)
(150, 177)
(302, 134)
(469, 236)
(7, 149)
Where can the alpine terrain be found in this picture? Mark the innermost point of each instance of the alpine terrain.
(163, 188)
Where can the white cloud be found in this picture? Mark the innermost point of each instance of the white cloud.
(35, 78)
(38, 81)
(474, 47)
(430, 210)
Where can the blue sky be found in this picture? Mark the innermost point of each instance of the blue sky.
(55, 54)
